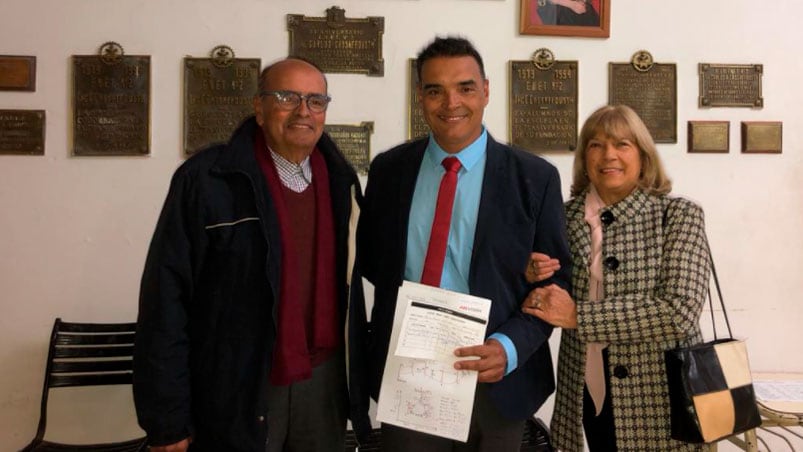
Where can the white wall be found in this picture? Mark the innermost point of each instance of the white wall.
(74, 231)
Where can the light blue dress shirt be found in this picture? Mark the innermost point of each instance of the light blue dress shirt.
(460, 245)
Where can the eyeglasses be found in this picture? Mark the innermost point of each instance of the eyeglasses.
(290, 100)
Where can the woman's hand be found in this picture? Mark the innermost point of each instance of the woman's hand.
(540, 267)
(553, 305)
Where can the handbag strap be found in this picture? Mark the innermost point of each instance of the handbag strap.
(719, 294)
(716, 280)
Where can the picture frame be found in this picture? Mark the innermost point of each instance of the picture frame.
(552, 18)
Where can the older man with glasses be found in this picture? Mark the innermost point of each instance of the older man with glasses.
(242, 307)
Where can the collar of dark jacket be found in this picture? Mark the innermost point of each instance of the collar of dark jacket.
(239, 154)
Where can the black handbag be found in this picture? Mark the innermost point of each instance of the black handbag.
(711, 392)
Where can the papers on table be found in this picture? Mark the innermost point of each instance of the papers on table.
(421, 390)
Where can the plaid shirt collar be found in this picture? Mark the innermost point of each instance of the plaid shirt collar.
(296, 177)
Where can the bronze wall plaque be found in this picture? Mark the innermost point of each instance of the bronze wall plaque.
(17, 73)
(731, 85)
(709, 136)
(417, 126)
(111, 103)
(338, 44)
(22, 132)
(651, 90)
(354, 142)
(218, 95)
(543, 103)
(762, 137)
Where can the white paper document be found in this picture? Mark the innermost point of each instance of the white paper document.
(421, 390)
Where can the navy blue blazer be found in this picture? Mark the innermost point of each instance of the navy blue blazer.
(521, 210)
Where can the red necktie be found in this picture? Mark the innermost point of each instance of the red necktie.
(436, 252)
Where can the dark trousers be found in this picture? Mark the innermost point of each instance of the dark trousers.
(600, 432)
(489, 432)
(310, 416)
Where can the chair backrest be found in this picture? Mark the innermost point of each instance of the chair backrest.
(87, 354)
(536, 437)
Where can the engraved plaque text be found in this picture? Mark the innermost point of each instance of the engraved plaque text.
(338, 44)
(762, 137)
(543, 106)
(22, 132)
(651, 93)
(731, 85)
(216, 99)
(709, 136)
(111, 105)
(417, 126)
(354, 142)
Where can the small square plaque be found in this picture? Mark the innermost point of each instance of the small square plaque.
(22, 132)
(709, 136)
(17, 73)
(762, 137)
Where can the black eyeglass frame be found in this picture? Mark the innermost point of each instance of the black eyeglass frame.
(285, 95)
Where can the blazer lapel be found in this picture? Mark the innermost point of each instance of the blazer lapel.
(408, 174)
(495, 174)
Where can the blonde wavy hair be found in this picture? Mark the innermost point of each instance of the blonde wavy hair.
(619, 122)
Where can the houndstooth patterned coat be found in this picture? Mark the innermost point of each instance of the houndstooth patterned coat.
(656, 280)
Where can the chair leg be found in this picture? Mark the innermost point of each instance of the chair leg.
(751, 444)
(748, 444)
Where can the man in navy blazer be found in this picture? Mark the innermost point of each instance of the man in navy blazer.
(508, 204)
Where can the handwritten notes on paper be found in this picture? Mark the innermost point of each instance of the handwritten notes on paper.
(421, 389)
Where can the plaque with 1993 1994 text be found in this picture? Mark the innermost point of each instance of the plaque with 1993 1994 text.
(338, 44)
(218, 95)
(650, 89)
(731, 85)
(417, 126)
(111, 103)
(543, 103)
(22, 132)
(354, 141)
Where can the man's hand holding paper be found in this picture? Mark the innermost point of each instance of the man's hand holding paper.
(491, 363)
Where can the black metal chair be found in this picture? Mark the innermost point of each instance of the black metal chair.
(372, 444)
(535, 439)
(87, 354)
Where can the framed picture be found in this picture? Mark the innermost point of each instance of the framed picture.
(588, 18)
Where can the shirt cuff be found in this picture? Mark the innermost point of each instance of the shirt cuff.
(510, 351)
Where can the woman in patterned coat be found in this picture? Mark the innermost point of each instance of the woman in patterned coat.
(640, 279)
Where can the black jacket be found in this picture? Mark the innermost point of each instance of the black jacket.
(207, 309)
(520, 211)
